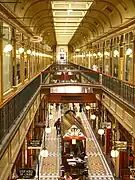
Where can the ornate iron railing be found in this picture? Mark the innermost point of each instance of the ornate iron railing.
(123, 90)
(11, 111)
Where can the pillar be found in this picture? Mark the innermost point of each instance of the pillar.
(1, 64)
(117, 159)
(133, 148)
(22, 65)
(133, 79)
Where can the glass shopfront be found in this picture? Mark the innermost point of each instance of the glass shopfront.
(107, 63)
(115, 50)
(7, 47)
(128, 63)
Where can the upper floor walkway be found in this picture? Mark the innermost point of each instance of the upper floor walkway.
(61, 75)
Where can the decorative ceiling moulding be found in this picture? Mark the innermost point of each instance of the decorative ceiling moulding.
(125, 27)
(108, 28)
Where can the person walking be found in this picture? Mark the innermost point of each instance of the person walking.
(58, 126)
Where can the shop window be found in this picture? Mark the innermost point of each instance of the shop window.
(18, 61)
(128, 63)
(115, 61)
(6, 57)
(25, 66)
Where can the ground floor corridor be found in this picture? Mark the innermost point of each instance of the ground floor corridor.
(97, 164)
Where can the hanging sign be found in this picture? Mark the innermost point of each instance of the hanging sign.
(34, 144)
(121, 145)
(132, 173)
(26, 173)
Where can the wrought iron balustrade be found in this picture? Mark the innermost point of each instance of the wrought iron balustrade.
(124, 90)
(11, 111)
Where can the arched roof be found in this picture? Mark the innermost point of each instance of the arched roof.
(101, 18)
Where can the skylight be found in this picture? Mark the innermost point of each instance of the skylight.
(67, 17)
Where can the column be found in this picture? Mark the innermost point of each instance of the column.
(133, 148)
(22, 65)
(117, 159)
(133, 79)
(1, 64)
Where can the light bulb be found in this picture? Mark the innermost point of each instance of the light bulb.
(48, 130)
(114, 153)
(8, 48)
(101, 131)
(50, 116)
(28, 51)
(21, 50)
(44, 153)
(128, 51)
(87, 107)
(93, 116)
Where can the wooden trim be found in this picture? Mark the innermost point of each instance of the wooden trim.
(13, 94)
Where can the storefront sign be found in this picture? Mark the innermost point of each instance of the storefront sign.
(26, 173)
(132, 173)
(121, 145)
(34, 144)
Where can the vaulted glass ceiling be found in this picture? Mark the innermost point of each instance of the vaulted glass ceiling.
(67, 17)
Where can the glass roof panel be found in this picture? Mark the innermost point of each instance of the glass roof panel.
(67, 17)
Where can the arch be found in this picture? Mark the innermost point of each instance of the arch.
(103, 15)
(95, 20)
(42, 18)
(43, 26)
(111, 4)
(37, 13)
(81, 25)
(32, 4)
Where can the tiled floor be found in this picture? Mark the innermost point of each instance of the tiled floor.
(50, 165)
(98, 167)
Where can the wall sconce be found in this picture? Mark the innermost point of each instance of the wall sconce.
(21, 50)
(101, 131)
(93, 117)
(106, 53)
(114, 153)
(129, 51)
(28, 51)
(8, 48)
(100, 54)
(87, 107)
(116, 53)
(94, 54)
(44, 152)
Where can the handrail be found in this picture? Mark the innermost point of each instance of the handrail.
(122, 89)
(10, 111)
